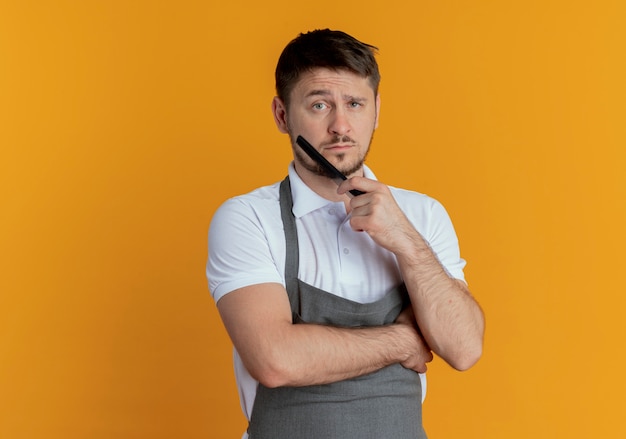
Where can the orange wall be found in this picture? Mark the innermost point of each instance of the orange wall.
(124, 124)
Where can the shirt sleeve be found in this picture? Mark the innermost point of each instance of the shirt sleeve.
(239, 250)
(431, 219)
(444, 242)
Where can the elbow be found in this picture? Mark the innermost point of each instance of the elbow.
(270, 378)
(472, 349)
(271, 373)
(467, 359)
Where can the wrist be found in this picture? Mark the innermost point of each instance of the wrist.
(403, 341)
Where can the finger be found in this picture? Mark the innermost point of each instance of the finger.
(421, 368)
(359, 183)
(345, 186)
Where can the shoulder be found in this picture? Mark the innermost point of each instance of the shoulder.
(246, 242)
(260, 205)
(417, 203)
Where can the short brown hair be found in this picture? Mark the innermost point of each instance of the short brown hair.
(324, 48)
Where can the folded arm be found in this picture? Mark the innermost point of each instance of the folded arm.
(277, 352)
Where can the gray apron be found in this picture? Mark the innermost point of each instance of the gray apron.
(381, 405)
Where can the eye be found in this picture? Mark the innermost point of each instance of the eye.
(319, 106)
(355, 104)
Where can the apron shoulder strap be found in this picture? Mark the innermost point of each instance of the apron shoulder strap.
(291, 237)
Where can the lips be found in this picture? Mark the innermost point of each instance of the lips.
(339, 143)
(339, 146)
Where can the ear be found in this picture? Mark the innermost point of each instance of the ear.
(280, 115)
(377, 110)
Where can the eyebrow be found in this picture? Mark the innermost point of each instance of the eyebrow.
(324, 92)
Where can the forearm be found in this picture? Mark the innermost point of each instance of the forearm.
(451, 321)
(310, 354)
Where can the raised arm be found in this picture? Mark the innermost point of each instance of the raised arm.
(449, 318)
(277, 352)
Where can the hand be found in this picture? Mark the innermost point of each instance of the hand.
(420, 353)
(377, 213)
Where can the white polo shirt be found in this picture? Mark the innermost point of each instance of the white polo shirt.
(247, 247)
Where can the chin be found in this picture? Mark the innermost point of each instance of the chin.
(350, 170)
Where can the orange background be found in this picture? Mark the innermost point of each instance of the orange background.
(124, 124)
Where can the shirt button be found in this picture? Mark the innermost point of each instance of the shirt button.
(346, 251)
(331, 211)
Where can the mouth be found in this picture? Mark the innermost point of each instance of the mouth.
(339, 147)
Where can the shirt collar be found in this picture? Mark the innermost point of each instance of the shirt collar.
(305, 200)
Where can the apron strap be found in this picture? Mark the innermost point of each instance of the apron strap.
(291, 238)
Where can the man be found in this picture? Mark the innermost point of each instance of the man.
(334, 302)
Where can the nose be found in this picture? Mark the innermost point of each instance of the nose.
(339, 123)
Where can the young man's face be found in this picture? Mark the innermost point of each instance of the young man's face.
(336, 111)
